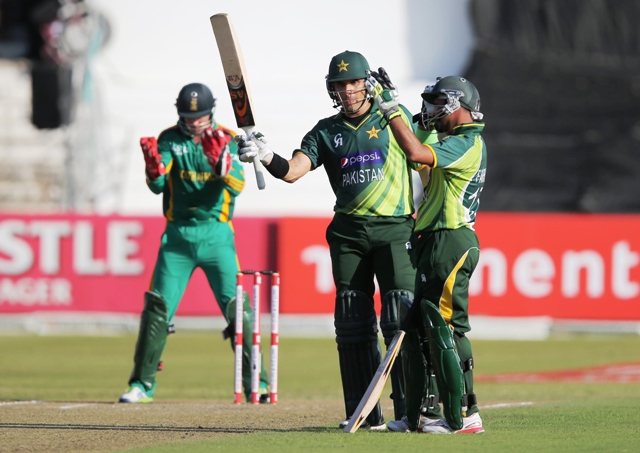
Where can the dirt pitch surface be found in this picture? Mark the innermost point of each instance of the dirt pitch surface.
(42, 426)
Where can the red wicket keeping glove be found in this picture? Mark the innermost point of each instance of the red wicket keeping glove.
(215, 145)
(154, 166)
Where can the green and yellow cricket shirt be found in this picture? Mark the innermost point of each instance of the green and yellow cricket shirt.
(368, 171)
(452, 196)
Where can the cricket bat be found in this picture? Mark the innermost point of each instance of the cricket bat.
(236, 76)
(372, 395)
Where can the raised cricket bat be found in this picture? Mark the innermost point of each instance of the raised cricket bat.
(372, 395)
(236, 75)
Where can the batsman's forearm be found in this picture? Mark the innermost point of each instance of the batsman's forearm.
(409, 143)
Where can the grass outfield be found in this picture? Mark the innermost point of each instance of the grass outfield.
(57, 394)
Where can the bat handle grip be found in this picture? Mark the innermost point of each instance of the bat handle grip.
(259, 168)
(257, 165)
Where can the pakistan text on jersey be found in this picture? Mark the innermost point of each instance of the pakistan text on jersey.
(362, 176)
(196, 175)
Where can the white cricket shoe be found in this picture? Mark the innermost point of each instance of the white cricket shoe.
(402, 425)
(135, 395)
(470, 425)
(365, 425)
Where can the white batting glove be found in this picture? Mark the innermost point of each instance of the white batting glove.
(384, 93)
(247, 150)
(254, 146)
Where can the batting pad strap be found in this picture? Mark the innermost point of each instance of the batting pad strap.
(393, 305)
(466, 365)
(355, 318)
(469, 399)
(278, 167)
(431, 401)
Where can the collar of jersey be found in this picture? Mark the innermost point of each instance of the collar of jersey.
(468, 127)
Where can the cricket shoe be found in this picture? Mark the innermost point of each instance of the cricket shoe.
(365, 425)
(135, 395)
(402, 425)
(470, 425)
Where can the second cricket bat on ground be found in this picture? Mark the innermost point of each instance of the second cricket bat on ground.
(236, 76)
(372, 395)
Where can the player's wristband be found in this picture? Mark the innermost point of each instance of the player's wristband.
(278, 167)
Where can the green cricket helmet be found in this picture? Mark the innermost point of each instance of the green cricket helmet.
(457, 91)
(345, 66)
(195, 100)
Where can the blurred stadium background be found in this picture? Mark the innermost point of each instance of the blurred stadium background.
(81, 81)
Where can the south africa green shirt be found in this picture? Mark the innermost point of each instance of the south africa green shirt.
(368, 172)
(190, 188)
(452, 196)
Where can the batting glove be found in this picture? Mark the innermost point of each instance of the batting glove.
(384, 93)
(254, 146)
(153, 161)
(215, 145)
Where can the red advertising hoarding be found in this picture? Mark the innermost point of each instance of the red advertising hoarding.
(102, 264)
(563, 266)
(558, 265)
(577, 266)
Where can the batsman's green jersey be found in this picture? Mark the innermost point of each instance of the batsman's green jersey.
(445, 248)
(367, 169)
(452, 196)
(371, 179)
(372, 182)
(198, 206)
